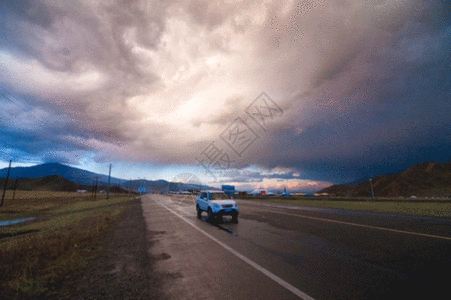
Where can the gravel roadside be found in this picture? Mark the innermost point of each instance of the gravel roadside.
(124, 267)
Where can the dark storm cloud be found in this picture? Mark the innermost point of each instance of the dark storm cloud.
(405, 121)
(364, 85)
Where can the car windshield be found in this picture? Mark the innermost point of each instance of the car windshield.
(219, 196)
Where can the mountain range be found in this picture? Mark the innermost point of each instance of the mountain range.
(422, 180)
(76, 175)
(47, 183)
(87, 178)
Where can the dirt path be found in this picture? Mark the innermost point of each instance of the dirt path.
(124, 268)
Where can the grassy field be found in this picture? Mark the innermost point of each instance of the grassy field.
(38, 256)
(419, 208)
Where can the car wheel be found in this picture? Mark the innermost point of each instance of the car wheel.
(235, 219)
(210, 216)
(199, 212)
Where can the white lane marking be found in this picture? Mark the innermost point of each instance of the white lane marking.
(361, 225)
(275, 278)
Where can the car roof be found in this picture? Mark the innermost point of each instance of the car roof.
(212, 192)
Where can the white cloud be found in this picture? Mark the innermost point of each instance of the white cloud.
(31, 77)
(156, 81)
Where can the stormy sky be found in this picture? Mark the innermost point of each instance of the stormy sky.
(297, 94)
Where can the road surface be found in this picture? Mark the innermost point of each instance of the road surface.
(282, 252)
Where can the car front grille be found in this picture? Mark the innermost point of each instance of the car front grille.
(227, 205)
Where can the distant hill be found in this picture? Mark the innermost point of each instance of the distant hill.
(87, 178)
(422, 180)
(164, 186)
(76, 175)
(53, 183)
(48, 183)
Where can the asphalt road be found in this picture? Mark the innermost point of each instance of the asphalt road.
(280, 252)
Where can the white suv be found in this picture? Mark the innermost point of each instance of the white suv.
(216, 204)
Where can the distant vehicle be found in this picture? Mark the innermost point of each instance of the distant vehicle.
(216, 204)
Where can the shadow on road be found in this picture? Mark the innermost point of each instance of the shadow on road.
(224, 223)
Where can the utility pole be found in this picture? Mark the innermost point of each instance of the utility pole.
(128, 187)
(15, 187)
(372, 191)
(6, 183)
(108, 187)
(95, 189)
(92, 192)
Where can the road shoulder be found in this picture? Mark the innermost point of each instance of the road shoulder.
(124, 268)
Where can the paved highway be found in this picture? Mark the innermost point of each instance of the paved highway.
(281, 252)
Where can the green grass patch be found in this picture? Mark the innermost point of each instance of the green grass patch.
(432, 209)
(37, 257)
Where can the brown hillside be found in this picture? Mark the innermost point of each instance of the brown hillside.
(53, 183)
(423, 180)
(48, 183)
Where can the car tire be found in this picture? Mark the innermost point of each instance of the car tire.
(210, 214)
(199, 212)
(235, 219)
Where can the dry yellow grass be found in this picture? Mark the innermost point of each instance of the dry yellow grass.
(36, 203)
(36, 257)
(41, 194)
